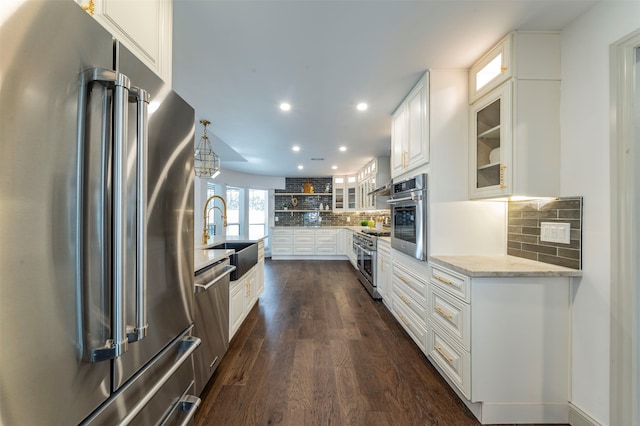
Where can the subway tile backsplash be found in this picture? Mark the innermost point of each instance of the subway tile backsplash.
(324, 194)
(523, 233)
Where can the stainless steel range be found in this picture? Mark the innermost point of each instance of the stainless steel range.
(365, 245)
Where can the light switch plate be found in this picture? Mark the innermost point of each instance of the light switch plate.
(555, 232)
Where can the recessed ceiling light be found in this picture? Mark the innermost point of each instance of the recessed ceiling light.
(295, 148)
(300, 167)
(285, 106)
(334, 167)
(343, 148)
(362, 106)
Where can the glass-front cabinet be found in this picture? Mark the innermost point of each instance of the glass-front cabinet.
(344, 193)
(491, 151)
(514, 122)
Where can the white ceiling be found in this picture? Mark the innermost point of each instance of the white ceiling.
(236, 60)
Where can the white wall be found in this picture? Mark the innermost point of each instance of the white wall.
(585, 171)
(457, 225)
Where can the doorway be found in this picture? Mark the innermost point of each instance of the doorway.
(625, 231)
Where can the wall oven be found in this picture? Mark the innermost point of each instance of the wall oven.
(409, 219)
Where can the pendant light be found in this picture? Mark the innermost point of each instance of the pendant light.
(207, 163)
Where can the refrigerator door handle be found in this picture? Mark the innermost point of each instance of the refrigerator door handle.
(116, 344)
(189, 405)
(187, 347)
(141, 98)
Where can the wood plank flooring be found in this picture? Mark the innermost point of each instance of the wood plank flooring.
(317, 350)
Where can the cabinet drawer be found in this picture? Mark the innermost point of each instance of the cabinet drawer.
(418, 309)
(408, 321)
(326, 249)
(453, 315)
(325, 238)
(281, 249)
(384, 247)
(454, 361)
(412, 285)
(282, 239)
(450, 281)
(303, 249)
(303, 239)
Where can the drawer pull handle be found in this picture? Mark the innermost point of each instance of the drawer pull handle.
(444, 355)
(405, 300)
(404, 279)
(443, 312)
(404, 320)
(443, 280)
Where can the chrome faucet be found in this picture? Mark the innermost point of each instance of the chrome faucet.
(205, 231)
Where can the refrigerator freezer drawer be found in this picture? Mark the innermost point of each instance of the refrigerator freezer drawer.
(156, 392)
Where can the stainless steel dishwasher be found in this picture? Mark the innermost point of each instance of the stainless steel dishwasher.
(211, 319)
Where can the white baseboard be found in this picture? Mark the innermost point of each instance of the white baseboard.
(577, 417)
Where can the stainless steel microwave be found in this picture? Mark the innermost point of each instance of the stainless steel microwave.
(408, 201)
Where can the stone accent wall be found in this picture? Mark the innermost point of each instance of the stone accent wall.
(523, 233)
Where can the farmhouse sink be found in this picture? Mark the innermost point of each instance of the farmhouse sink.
(245, 256)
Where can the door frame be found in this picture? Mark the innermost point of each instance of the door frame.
(625, 242)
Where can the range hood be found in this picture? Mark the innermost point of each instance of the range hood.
(382, 191)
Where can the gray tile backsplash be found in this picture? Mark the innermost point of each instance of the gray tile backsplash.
(323, 194)
(523, 231)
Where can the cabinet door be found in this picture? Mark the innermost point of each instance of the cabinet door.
(398, 143)
(338, 193)
(417, 150)
(144, 27)
(491, 70)
(236, 306)
(490, 159)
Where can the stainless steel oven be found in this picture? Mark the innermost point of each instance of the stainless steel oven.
(409, 219)
(365, 248)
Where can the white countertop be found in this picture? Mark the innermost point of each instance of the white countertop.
(205, 257)
(502, 266)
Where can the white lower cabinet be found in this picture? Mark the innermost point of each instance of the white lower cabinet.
(383, 271)
(502, 343)
(409, 303)
(305, 243)
(243, 294)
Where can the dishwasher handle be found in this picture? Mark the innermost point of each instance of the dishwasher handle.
(225, 272)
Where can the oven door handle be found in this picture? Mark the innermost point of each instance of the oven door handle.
(398, 200)
(368, 253)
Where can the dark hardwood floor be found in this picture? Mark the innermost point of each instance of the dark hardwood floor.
(317, 350)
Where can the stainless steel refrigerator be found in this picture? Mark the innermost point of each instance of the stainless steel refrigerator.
(96, 220)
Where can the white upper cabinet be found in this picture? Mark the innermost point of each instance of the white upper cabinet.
(371, 177)
(514, 118)
(410, 130)
(344, 193)
(144, 27)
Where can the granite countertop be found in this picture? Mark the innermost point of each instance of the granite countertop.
(502, 266)
(205, 257)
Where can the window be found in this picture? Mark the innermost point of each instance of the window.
(212, 218)
(234, 227)
(257, 213)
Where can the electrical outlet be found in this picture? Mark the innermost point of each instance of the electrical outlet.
(276, 218)
(555, 232)
(348, 218)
